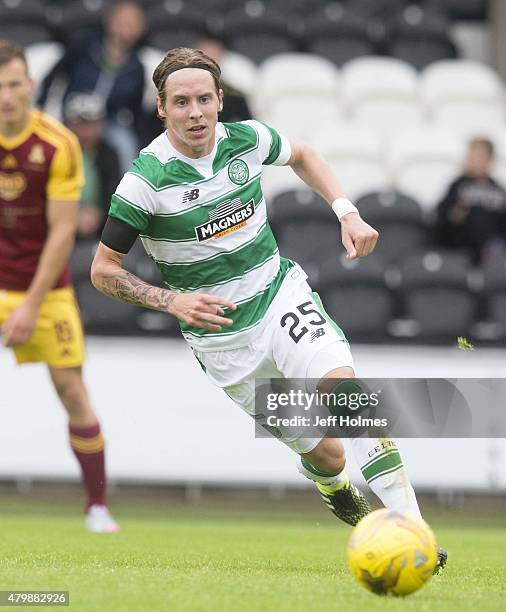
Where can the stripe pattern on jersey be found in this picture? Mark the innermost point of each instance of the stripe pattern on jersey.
(219, 241)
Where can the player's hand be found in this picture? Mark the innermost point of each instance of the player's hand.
(20, 325)
(201, 310)
(359, 238)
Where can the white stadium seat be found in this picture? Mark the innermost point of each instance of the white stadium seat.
(41, 57)
(356, 156)
(424, 161)
(465, 79)
(303, 116)
(381, 93)
(150, 58)
(372, 77)
(464, 95)
(388, 117)
(471, 119)
(276, 179)
(287, 76)
(239, 72)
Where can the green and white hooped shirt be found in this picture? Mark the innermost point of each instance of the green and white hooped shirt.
(203, 222)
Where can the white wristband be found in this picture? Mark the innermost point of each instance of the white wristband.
(342, 206)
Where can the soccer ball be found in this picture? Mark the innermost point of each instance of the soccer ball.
(392, 552)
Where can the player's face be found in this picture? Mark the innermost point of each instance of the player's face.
(191, 111)
(16, 90)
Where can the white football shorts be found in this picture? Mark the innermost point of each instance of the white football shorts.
(299, 341)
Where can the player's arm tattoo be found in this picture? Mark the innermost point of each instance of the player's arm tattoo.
(126, 287)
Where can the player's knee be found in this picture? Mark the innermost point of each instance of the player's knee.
(72, 395)
(328, 456)
(334, 464)
(331, 463)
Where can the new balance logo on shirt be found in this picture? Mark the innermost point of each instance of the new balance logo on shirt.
(317, 334)
(189, 196)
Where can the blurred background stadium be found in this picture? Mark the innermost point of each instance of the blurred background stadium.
(390, 91)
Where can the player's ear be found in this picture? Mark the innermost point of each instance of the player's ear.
(220, 98)
(159, 107)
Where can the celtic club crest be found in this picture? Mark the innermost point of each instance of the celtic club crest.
(238, 172)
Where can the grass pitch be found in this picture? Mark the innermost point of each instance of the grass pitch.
(228, 559)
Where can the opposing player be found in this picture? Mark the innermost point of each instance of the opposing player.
(195, 198)
(40, 183)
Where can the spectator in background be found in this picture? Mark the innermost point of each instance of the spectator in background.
(85, 116)
(472, 214)
(235, 107)
(107, 64)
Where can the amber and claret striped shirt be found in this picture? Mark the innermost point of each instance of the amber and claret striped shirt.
(41, 163)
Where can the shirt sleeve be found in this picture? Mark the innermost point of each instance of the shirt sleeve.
(66, 174)
(274, 147)
(134, 200)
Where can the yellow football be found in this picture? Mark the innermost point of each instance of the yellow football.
(392, 552)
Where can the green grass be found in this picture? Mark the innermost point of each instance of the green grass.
(173, 557)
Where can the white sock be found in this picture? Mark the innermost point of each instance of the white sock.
(382, 468)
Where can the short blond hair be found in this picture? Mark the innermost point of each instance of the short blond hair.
(184, 57)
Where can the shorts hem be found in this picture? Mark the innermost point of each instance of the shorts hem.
(26, 360)
(295, 445)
